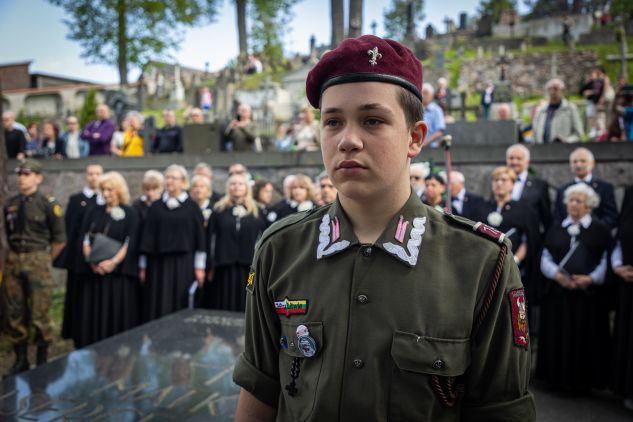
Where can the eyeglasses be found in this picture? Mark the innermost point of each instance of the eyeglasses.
(23, 172)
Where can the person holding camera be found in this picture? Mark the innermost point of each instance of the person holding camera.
(240, 133)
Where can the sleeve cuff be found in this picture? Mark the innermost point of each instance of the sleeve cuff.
(265, 388)
(200, 261)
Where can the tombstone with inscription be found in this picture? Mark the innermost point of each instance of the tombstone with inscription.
(176, 368)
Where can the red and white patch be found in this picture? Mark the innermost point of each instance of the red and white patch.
(489, 232)
(520, 328)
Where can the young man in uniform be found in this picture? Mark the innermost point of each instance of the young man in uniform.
(35, 230)
(378, 307)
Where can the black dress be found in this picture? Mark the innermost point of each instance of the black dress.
(519, 222)
(170, 239)
(232, 241)
(71, 257)
(623, 331)
(107, 304)
(574, 333)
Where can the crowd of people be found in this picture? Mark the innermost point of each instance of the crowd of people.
(129, 261)
(574, 271)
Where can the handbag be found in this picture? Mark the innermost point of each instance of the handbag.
(103, 247)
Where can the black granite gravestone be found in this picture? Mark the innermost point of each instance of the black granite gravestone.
(176, 368)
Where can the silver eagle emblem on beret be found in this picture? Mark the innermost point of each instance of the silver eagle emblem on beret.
(375, 55)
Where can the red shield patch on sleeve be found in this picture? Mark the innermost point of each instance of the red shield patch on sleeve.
(520, 330)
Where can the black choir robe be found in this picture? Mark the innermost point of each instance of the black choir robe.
(78, 205)
(231, 251)
(607, 211)
(623, 331)
(535, 195)
(170, 240)
(574, 338)
(108, 304)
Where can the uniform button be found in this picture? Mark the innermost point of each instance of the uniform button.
(367, 251)
(362, 299)
(358, 363)
(438, 364)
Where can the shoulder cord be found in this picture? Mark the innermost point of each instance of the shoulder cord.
(450, 389)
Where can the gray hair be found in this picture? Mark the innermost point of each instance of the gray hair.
(183, 172)
(555, 81)
(152, 177)
(423, 167)
(457, 176)
(521, 147)
(203, 166)
(593, 199)
(322, 175)
(428, 87)
(586, 151)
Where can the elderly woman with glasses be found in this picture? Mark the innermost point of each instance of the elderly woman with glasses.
(573, 353)
(172, 246)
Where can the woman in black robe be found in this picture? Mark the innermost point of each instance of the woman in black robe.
(622, 263)
(519, 224)
(152, 188)
(233, 229)
(301, 198)
(201, 195)
(108, 302)
(172, 248)
(574, 334)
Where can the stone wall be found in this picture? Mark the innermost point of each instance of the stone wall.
(529, 73)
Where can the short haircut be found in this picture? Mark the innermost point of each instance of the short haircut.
(258, 186)
(436, 177)
(411, 106)
(183, 173)
(322, 175)
(519, 147)
(153, 179)
(504, 170)
(203, 166)
(593, 200)
(305, 182)
(457, 176)
(586, 151)
(555, 81)
(118, 184)
(203, 179)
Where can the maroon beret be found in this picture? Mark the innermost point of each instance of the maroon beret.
(365, 59)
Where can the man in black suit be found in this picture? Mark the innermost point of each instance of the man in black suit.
(528, 189)
(464, 203)
(582, 163)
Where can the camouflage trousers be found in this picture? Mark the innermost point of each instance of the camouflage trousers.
(28, 286)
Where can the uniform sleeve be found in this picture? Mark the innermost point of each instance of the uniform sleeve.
(257, 368)
(497, 381)
(56, 222)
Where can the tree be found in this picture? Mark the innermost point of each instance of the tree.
(355, 28)
(396, 17)
(88, 111)
(338, 22)
(240, 6)
(495, 8)
(270, 20)
(126, 33)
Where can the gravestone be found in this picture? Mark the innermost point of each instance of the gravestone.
(202, 138)
(176, 368)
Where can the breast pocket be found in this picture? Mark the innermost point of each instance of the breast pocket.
(307, 354)
(37, 220)
(416, 359)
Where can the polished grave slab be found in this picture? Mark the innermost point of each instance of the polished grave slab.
(176, 368)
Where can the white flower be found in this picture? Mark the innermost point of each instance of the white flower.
(239, 211)
(495, 219)
(172, 203)
(206, 213)
(305, 206)
(573, 230)
(272, 216)
(117, 213)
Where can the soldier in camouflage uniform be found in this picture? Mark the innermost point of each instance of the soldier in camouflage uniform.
(35, 231)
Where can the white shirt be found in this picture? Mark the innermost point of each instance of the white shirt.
(586, 179)
(89, 193)
(458, 201)
(72, 145)
(517, 189)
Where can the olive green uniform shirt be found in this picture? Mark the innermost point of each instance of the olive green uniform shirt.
(243, 137)
(385, 318)
(44, 223)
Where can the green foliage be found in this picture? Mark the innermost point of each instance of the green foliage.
(25, 118)
(270, 23)
(148, 29)
(495, 8)
(88, 111)
(395, 18)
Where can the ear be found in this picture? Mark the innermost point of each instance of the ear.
(417, 136)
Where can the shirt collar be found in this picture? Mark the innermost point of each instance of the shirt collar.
(584, 222)
(181, 198)
(523, 176)
(586, 179)
(89, 193)
(401, 238)
(205, 205)
(460, 195)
